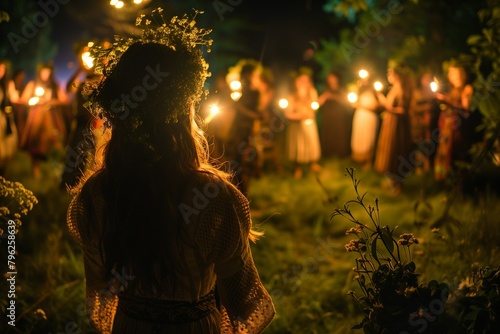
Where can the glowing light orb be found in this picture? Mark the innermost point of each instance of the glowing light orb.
(434, 86)
(363, 74)
(315, 105)
(137, 1)
(88, 61)
(113, 2)
(34, 100)
(119, 4)
(39, 91)
(352, 97)
(378, 86)
(283, 103)
(235, 96)
(90, 44)
(235, 85)
(214, 109)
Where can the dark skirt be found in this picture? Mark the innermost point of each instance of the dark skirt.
(335, 130)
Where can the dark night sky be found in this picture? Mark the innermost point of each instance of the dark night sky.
(280, 31)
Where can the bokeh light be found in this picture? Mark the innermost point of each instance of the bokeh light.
(434, 86)
(283, 103)
(352, 97)
(378, 86)
(88, 60)
(363, 74)
(235, 96)
(34, 100)
(235, 85)
(39, 91)
(214, 109)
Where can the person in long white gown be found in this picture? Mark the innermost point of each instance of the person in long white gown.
(303, 138)
(365, 125)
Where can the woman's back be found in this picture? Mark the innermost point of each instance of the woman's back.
(212, 243)
(165, 236)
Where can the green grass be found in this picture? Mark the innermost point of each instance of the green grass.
(301, 259)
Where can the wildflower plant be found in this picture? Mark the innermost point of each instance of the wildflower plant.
(478, 301)
(391, 300)
(15, 202)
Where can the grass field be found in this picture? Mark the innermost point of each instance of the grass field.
(302, 259)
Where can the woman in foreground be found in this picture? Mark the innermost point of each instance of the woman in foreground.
(165, 236)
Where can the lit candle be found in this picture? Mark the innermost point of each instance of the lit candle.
(363, 73)
(88, 60)
(235, 96)
(34, 100)
(39, 91)
(378, 86)
(283, 103)
(352, 97)
(434, 86)
(235, 85)
(214, 110)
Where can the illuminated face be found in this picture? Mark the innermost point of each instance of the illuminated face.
(302, 83)
(45, 74)
(456, 76)
(426, 80)
(2, 70)
(391, 76)
(333, 82)
(255, 81)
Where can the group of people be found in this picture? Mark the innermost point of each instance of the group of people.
(153, 207)
(414, 128)
(44, 118)
(258, 130)
(33, 114)
(408, 128)
(393, 133)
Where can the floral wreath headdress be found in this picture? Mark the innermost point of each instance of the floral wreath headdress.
(179, 34)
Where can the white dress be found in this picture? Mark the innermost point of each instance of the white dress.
(364, 128)
(303, 138)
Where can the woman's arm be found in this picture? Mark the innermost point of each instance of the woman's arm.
(13, 94)
(467, 96)
(28, 92)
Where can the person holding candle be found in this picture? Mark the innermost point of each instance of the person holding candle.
(241, 147)
(8, 130)
(45, 127)
(336, 118)
(424, 120)
(394, 143)
(457, 123)
(365, 123)
(303, 138)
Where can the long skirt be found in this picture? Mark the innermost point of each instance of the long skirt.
(394, 146)
(303, 141)
(364, 134)
(45, 130)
